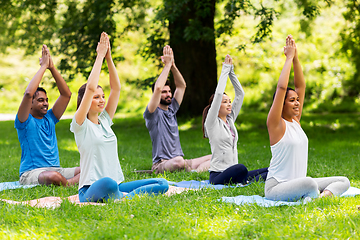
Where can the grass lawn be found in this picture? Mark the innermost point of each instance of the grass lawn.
(334, 149)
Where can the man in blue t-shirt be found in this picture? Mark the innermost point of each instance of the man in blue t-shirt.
(35, 126)
(160, 119)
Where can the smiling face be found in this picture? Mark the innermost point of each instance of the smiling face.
(39, 105)
(225, 107)
(98, 101)
(291, 106)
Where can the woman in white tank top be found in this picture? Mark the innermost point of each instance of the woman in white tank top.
(287, 178)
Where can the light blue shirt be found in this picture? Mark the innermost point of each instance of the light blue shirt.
(98, 150)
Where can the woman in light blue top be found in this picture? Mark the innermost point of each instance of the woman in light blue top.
(101, 176)
(287, 179)
(218, 125)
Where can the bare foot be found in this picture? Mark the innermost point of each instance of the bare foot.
(326, 193)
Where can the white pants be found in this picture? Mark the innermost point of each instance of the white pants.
(304, 187)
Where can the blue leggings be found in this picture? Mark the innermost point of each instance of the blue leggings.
(107, 188)
(237, 174)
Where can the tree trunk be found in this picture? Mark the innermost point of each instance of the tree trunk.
(196, 59)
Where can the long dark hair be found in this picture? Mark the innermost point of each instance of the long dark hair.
(205, 113)
(81, 93)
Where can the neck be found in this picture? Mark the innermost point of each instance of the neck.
(287, 118)
(163, 107)
(37, 116)
(223, 118)
(93, 117)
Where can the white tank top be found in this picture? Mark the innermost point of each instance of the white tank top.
(290, 154)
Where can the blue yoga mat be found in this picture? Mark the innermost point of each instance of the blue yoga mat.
(14, 185)
(202, 184)
(262, 201)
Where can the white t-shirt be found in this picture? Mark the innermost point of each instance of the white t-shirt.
(97, 145)
(290, 154)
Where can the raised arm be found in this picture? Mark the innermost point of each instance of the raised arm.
(65, 93)
(93, 80)
(299, 82)
(239, 94)
(167, 59)
(25, 105)
(219, 91)
(179, 83)
(114, 85)
(276, 127)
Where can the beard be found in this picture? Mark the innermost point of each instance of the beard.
(166, 101)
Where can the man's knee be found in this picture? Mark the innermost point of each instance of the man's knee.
(52, 177)
(177, 163)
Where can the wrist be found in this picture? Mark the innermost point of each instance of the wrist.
(44, 67)
(100, 56)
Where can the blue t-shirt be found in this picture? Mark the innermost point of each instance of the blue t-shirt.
(38, 142)
(164, 132)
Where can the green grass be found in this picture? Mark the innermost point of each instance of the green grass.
(333, 150)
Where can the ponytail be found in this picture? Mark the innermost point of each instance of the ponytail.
(205, 113)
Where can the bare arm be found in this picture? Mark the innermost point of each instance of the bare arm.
(299, 82)
(114, 85)
(93, 80)
(275, 125)
(167, 59)
(179, 83)
(25, 105)
(65, 93)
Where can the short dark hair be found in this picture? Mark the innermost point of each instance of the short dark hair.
(39, 89)
(287, 90)
(81, 93)
(167, 83)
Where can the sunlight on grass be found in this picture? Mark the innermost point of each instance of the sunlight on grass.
(187, 125)
(4, 142)
(67, 144)
(245, 126)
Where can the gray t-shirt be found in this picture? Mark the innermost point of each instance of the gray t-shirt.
(164, 132)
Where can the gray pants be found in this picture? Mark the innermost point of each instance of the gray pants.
(304, 187)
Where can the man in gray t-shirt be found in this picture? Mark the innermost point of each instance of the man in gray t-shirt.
(160, 119)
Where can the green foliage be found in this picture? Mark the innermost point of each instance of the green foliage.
(28, 23)
(350, 36)
(80, 31)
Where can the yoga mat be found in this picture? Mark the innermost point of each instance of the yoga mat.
(14, 185)
(202, 184)
(263, 202)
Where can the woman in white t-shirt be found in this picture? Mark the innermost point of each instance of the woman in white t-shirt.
(101, 176)
(287, 178)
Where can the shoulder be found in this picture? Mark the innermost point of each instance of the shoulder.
(148, 115)
(104, 116)
(51, 117)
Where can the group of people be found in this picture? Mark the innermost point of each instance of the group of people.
(100, 177)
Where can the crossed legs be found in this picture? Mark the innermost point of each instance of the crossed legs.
(305, 187)
(56, 178)
(107, 188)
(179, 163)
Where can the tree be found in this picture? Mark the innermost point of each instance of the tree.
(351, 39)
(187, 25)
